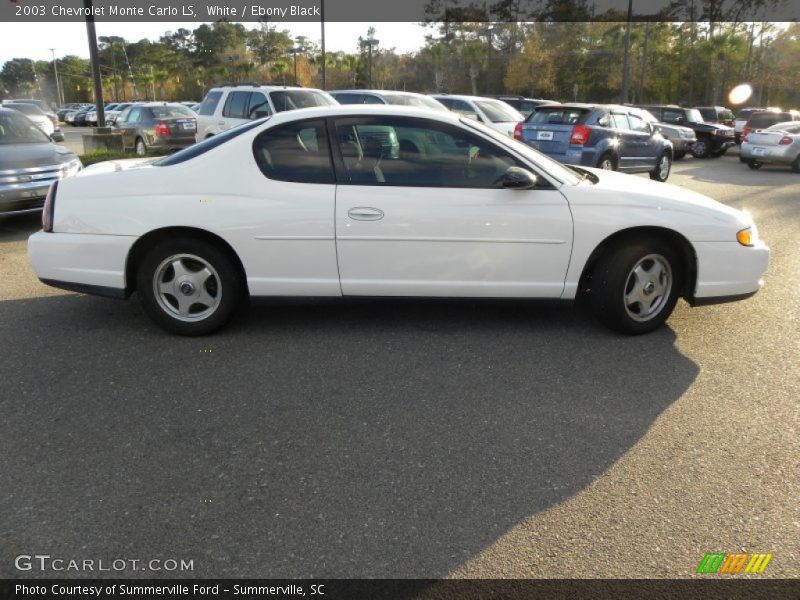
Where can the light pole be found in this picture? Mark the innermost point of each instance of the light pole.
(626, 59)
(369, 44)
(295, 50)
(59, 98)
(91, 35)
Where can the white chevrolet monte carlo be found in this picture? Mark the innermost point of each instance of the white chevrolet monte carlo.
(386, 201)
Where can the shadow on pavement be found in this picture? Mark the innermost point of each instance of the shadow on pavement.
(370, 439)
(15, 228)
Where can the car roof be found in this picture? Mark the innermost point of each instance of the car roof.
(343, 110)
(466, 97)
(267, 88)
(376, 92)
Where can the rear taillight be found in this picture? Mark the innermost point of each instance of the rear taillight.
(580, 135)
(518, 131)
(745, 131)
(49, 208)
(162, 129)
(785, 141)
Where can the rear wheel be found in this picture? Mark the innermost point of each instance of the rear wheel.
(141, 148)
(796, 164)
(662, 168)
(188, 286)
(754, 164)
(635, 286)
(607, 162)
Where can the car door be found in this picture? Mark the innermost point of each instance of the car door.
(234, 111)
(127, 123)
(287, 239)
(626, 145)
(432, 219)
(644, 144)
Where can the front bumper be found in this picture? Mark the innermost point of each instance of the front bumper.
(81, 261)
(721, 143)
(728, 269)
(19, 198)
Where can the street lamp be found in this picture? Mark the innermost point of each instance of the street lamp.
(369, 44)
(294, 51)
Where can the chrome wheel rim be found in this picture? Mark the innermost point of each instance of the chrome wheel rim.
(647, 287)
(187, 287)
(140, 149)
(700, 147)
(663, 167)
(607, 165)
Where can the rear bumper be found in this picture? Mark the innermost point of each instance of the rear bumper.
(771, 154)
(728, 270)
(82, 261)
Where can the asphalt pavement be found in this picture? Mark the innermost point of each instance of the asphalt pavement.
(408, 438)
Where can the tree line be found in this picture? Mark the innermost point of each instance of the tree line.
(692, 63)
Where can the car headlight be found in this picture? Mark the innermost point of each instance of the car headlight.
(71, 168)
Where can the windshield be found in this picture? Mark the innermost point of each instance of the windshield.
(28, 109)
(418, 101)
(547, 164)
(208, 144)
(170, 111)
(499, 112)
(293, 99)
(693, 116)
(16, 129)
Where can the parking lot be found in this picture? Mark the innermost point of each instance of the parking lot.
(395, 438)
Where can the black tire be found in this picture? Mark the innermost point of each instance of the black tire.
(721, 152)
(754, 164)
(612, 280)
(796, 164)
(742, 159)
(679, 156)
(220, 292)
(701, 148)
(140, 147)
(661, 172)
(607, 159)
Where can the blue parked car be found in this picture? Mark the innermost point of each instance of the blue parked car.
(606, 136)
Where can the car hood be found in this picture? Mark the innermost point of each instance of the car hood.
(21, 156)
(638, 190)
(113, 166)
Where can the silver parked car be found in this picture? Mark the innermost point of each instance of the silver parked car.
(779, 144)
(29, 163)
(682, 138)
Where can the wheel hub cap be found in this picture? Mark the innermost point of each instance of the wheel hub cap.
(648, 287)
(187, 287)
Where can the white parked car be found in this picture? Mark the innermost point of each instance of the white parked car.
(779, 144)
(312, 203)
(494, 113)
(231, 105)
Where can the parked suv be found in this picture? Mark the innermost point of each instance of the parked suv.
(717, 114)
(607, 136)
(712, 139)
(741, 118)
(231, 105)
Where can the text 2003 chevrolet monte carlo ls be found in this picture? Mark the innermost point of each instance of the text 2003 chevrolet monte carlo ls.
(386, 201)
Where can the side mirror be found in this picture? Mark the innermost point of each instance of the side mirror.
(57, 136)
(516, 178)
(473, 116)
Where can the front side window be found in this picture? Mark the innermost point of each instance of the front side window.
(620, 122)
(209, 103)
(258, 107)
(417, 101)
(673, 116)
(123, 116)
(415, 152)
(348, 98)
(236, 105)
(135, 115)
(637, 124)
(296, 152)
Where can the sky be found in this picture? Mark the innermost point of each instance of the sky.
(33, 40)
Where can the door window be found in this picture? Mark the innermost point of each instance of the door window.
(420, 153)
(295, 152)
(135, 115)
(620, 122)
(236, 105)
(637, 124)
(209, 104)
(258, 107)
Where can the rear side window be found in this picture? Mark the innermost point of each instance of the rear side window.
(348, 98)
(296, 152)
(294, 99)
(768, 119)
(209, 104)
(557, 116)
(236, 105)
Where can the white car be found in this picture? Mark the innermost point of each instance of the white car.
(231, 105)
(312, 203)
(494, 113)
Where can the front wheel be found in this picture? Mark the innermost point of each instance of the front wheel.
(141, 148)
(188, 286)
(662, 168)
(635, 286)
(701, 149)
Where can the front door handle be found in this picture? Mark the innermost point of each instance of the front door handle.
(365, 213)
